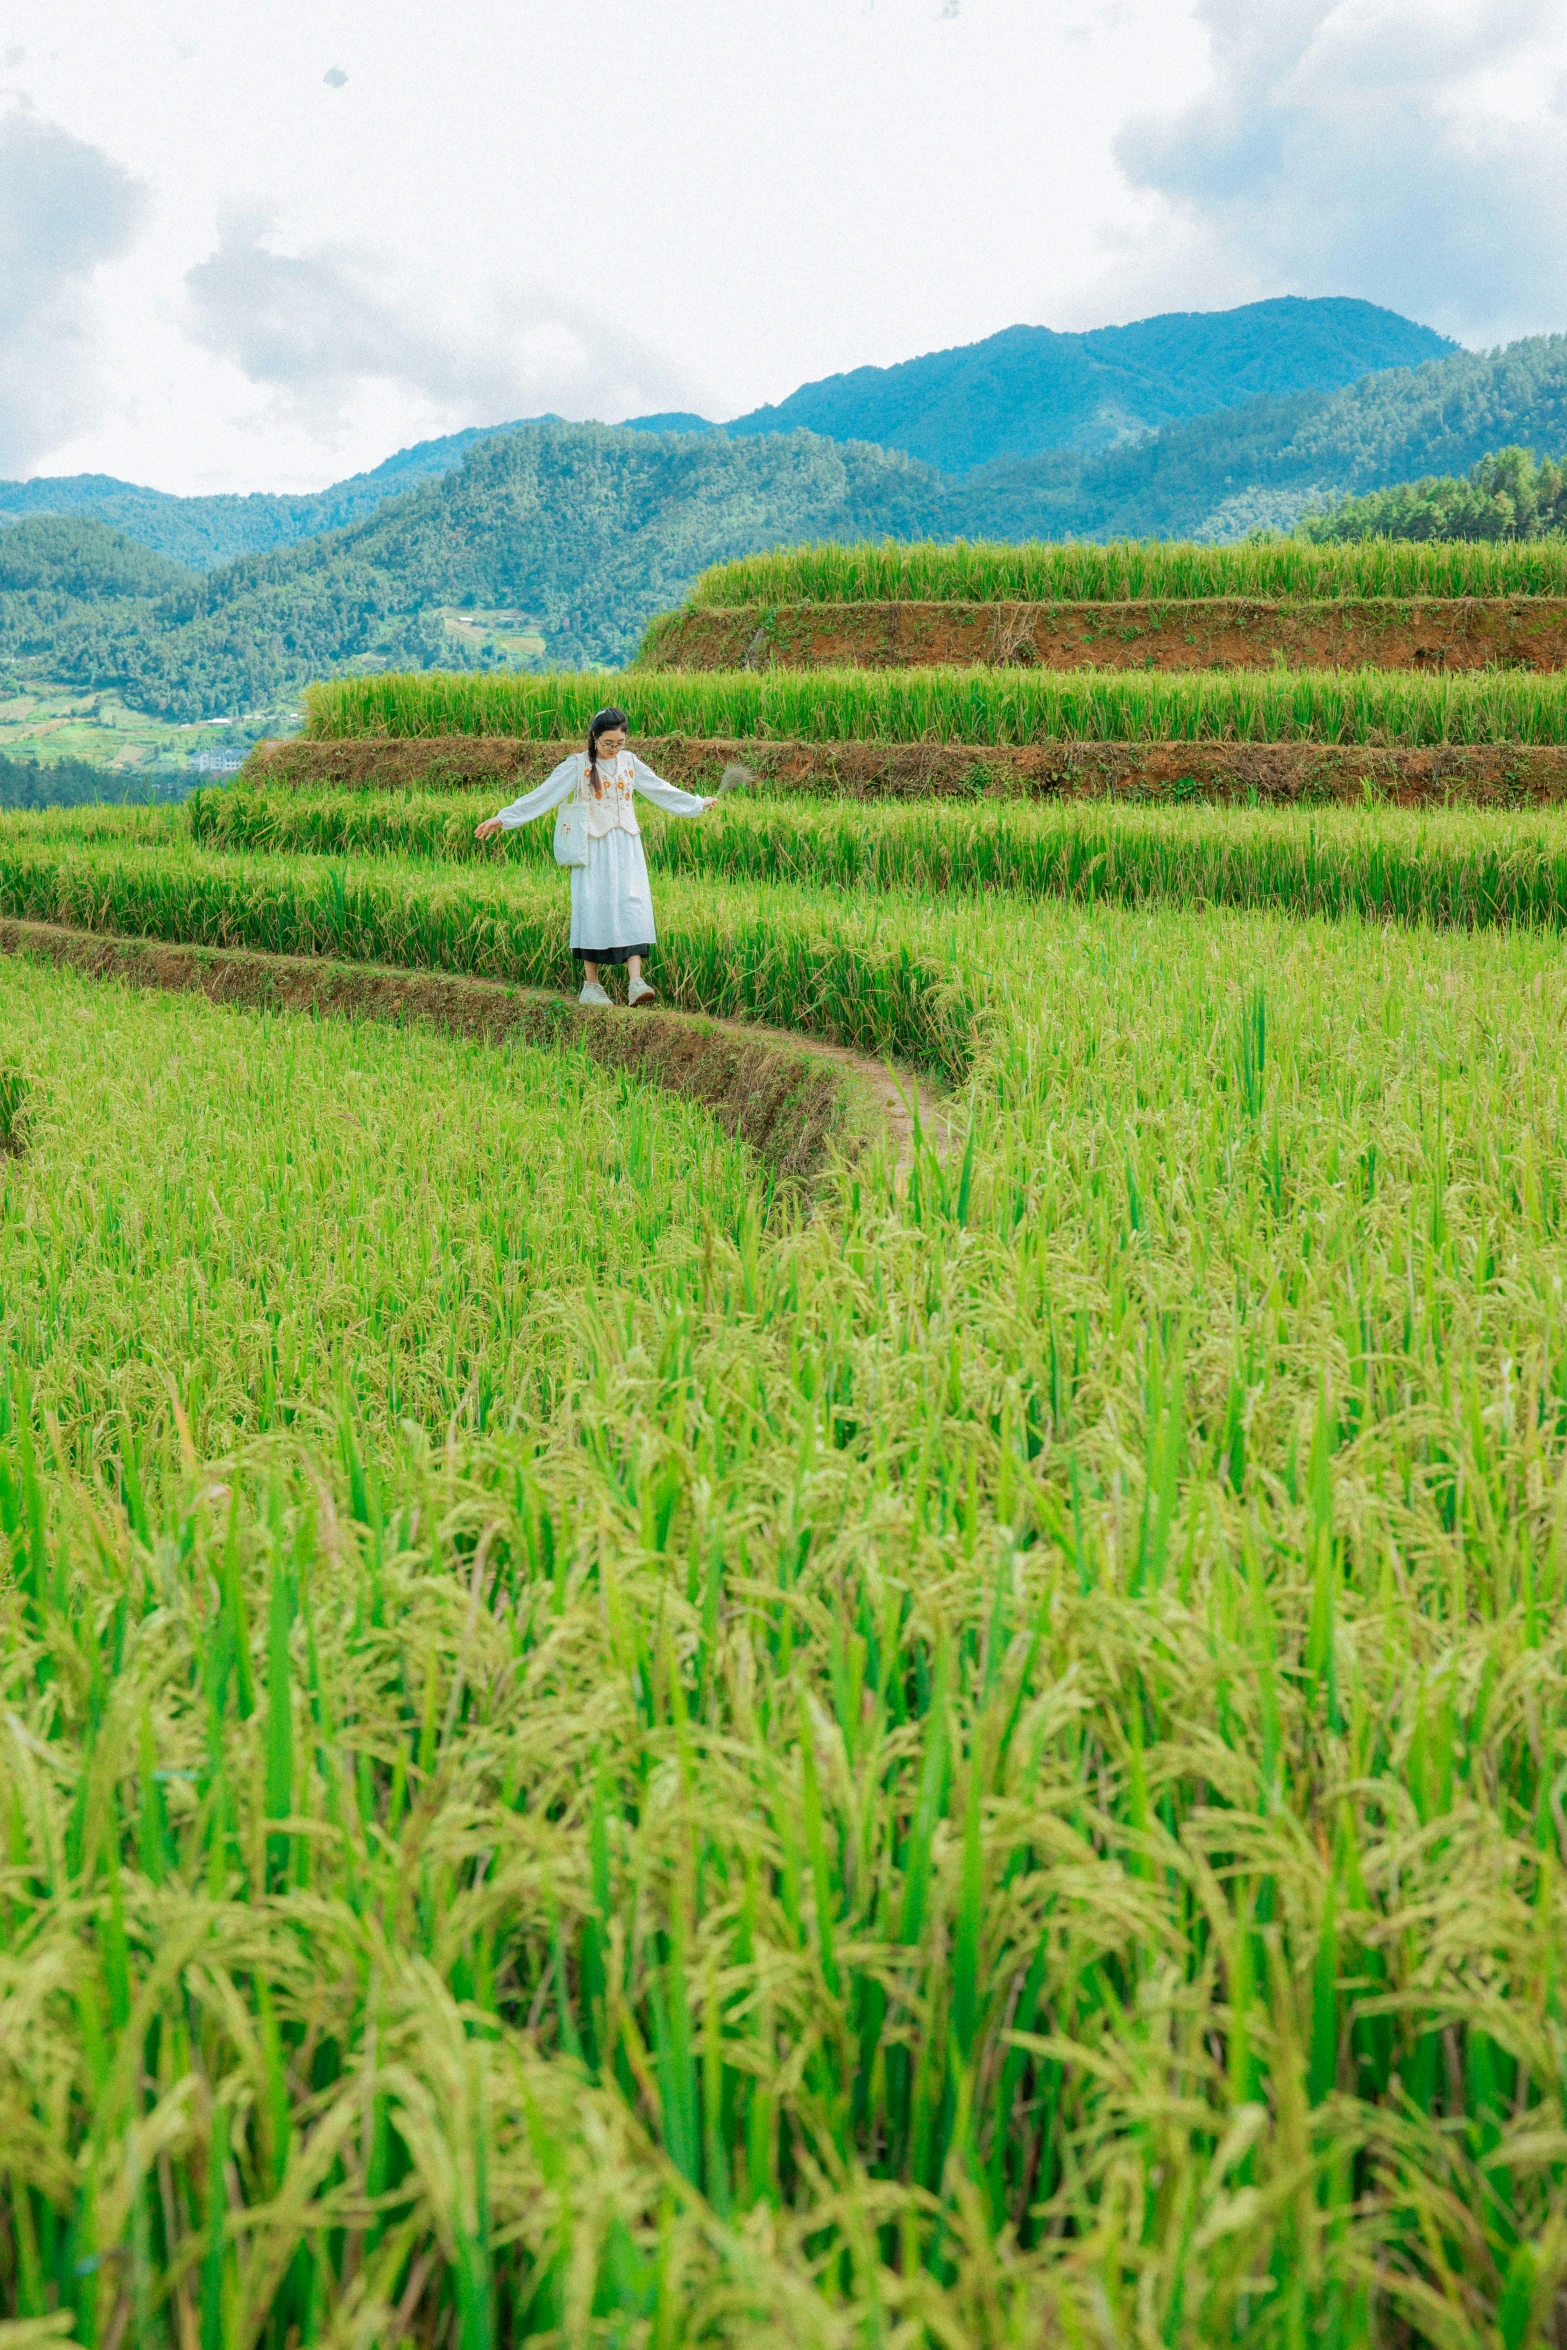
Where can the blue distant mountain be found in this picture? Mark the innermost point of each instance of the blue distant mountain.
(673, 420)
(1260, 465)
(1028, 389)
(204, 531)
(1024, 393)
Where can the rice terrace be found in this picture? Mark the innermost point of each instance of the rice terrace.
(874, 1661)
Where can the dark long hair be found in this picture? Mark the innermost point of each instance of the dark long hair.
(604, 722)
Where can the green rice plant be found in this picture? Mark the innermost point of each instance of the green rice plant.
(965, 705)
(225, 1216)
(1463, 868)
(775, 956)
(16, 1108)
(1133, 571)
(978, 1770)
(425, 825)
(116, 820)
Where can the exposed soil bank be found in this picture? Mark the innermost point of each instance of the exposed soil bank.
(1481, 774)
(1231, 632)
(799, 1104)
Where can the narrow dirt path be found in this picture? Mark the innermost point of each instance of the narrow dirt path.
(907, 1097)
(799, 1101)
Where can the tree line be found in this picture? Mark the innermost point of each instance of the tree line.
(1508, 495)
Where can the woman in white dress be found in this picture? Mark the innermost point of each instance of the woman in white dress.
(611, 906)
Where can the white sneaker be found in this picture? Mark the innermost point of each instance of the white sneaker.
(639, 992)
(592, 993)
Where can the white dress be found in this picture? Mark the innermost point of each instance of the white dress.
(611, 903)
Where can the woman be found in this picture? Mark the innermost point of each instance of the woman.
(611, 908)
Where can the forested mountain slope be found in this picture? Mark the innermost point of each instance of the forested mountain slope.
(579, 533)
(1028, 390)
(586, 530)
(205, 531)
(1219, 475)
(58, 575)
(1505, 496)
(1016, 393)
(81, 561)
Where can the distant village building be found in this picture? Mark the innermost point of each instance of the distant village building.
(227, 762)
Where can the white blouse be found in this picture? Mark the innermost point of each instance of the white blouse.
(612, 810)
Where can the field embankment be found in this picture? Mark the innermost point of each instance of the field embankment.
(1519, 632)
(1501, 774)
(798, 1106)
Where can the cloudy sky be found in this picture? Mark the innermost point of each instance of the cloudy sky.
(262, 246)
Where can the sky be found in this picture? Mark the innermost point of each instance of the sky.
(262, 247)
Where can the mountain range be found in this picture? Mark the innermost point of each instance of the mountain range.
(1027, 390)
(1019, 393)
(466, 551)
(202, 532)
(1264, 464)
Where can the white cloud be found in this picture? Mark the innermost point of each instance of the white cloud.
(65, 209)
(317, 327)
(763, 209)
(1370, 147)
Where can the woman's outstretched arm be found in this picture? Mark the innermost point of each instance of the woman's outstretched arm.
(538, 802)
(667, 795)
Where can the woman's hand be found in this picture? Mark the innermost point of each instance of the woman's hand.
(486, 830)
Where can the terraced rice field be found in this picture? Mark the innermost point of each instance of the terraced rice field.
(1458, 867)
(1137, 571)
(985, 707)
(601, 1751)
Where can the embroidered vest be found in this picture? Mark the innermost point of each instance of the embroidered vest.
(613, 809)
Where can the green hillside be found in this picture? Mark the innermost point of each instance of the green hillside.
(76, 600)
(1506, 496)
(1265, 463)
(76, 583)
(1017, 393)
(580, 530)
(206, 531)
(1026, 391)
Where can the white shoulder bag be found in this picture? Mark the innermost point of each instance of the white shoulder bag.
(571, 828)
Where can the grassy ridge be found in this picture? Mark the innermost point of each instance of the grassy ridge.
(1132, 571)
(1370, 706)
(1462, 868)
(1042, 1693)
(769, 955)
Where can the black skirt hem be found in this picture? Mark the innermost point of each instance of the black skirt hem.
(607, 954)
